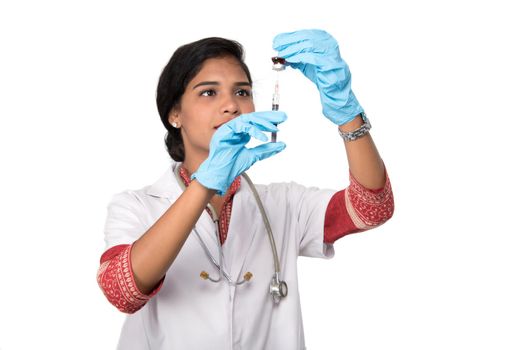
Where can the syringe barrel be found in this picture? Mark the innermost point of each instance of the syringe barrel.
(278, 65)
(274, 107)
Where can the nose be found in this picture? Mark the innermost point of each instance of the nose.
(230, 107)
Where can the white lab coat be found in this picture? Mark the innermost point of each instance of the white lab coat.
(191, 313)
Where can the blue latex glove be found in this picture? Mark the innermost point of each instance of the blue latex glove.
(316, 54)
(228, 156)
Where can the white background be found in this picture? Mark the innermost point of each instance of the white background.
(442, 83)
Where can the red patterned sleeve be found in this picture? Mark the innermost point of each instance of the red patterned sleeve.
(115, 278)
(356, 209)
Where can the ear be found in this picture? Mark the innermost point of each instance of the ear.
(173, 116)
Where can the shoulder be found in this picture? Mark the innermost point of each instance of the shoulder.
(130, 201)
(164, 186)
(292, 192)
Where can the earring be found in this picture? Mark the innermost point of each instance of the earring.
(175, 125)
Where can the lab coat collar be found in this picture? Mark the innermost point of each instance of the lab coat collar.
(237, 244)
(166, 186)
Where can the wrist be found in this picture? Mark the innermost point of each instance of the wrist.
(353, 124)
(201, 188)
(350, 131)
(215, 176)
(212, 182)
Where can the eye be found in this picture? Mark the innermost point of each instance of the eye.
(243, 92)
(209, 92)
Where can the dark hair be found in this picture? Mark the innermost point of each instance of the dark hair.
(183, 66)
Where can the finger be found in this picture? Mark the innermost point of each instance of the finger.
(248, 156)
(256, 133)
(275, 117)
(263, 124)
(231, 137)
(246, 128)
(319, 47)
(281, 41)
(252, 124)
(298, 58)
(266, 150)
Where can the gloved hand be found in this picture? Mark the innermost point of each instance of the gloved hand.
(228, 156)
(316, 54)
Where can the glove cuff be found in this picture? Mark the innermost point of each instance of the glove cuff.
(352, 114)
(342, 113)
(210, 182)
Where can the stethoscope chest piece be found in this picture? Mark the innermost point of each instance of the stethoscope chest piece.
(277, 289)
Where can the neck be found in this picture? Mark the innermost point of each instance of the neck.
(193, 163)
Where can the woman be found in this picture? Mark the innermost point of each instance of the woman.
(161, 238)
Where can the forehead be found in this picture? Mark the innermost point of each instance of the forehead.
(221, 67)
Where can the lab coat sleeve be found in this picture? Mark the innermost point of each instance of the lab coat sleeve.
(357, 209)
(124, 223)
(115, 275)
(311, 204)
(115, 279)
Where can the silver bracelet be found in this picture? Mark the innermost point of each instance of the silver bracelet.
(356, 134)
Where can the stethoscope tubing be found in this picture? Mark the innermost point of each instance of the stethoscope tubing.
(266, 223)
(213, 260)
(276, 282)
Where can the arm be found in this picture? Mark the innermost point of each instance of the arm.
(357, 208)
(149, 257)
(363, 158)
(316, 54)
(129, 282)
(154, 252)
(368, 201)
(117, 283)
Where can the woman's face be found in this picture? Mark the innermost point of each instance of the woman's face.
(217, 94)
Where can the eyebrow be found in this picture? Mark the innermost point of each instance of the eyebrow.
(239, 83)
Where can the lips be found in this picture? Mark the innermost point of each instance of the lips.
(225, 121)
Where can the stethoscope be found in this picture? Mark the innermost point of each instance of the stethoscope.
(277, 288)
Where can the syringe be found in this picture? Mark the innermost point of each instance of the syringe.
(278, 65)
